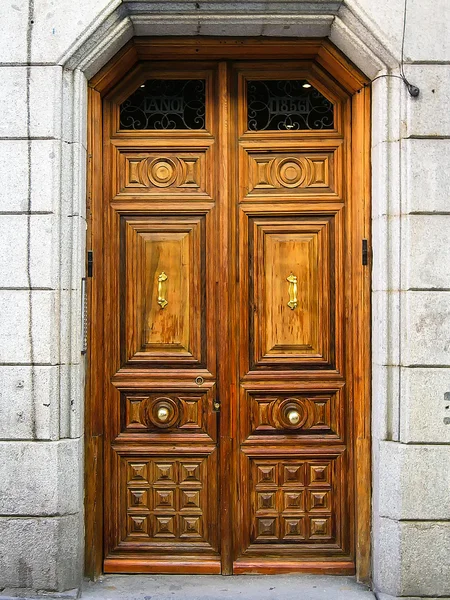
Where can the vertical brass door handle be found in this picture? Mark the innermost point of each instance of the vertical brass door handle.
(293, 302)
(162, 290)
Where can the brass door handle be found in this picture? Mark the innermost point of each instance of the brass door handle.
(293, 302)
(162, 290)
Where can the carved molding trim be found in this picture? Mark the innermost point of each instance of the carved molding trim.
(162, 172)
(289, 172)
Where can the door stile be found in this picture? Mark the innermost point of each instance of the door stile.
(108, 346)
(361, 339)
(94, 393)
(226, 342)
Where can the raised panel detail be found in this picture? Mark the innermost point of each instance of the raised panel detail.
(298, 502)
(163, 306)
(163, 173)
(292, 291)
(173, 413)
(171, 501)
(289, 173)
(138, 526)
(303, 413)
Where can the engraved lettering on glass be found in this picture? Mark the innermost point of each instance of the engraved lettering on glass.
(292, 104)
(165, 104)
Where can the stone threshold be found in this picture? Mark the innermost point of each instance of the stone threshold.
(209, 587)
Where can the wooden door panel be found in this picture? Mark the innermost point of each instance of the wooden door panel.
(190, 415)
(292, 291)
(295, 509)
(267, 415)
(294, 444)
(273, 173)
(165, 296)
(161, 172)
(161, 500)
(168, 502)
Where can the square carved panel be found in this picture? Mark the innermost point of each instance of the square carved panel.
(166, 498)
(294, 500)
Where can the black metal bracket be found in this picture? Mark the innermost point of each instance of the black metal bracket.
(90, 263)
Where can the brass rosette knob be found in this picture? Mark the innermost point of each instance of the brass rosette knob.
(162, 413)
(292, 413)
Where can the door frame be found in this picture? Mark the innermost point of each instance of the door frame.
(323, 52)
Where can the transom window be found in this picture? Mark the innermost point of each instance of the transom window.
(165, 104)
(288, 104)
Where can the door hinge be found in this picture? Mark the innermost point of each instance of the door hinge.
(90, 263)
(216, 406)
(365, 253)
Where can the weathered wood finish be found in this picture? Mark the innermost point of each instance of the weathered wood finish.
(197, 235)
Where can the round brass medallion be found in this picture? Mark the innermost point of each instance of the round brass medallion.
(292, 413)
(293, 417)
(162, 413)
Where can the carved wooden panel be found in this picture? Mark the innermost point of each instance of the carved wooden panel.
(294, 501)
(291, 291)
(287, 174)
(228, 257)
(165, 297)
(299, 415)
(166, 500)
(179, 413)
(164, 173)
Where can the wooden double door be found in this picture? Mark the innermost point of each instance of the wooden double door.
(230, 323)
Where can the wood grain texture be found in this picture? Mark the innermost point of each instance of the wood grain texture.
(94, 471)
(257, 237)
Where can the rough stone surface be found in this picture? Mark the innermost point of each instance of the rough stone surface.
(13, 41)
(425, 560)
(426, 115)
(53, 557)
(425, 410)
(29, 403)
(14, 327)
(386, 327)
(411, 558)
(387, 554)
(15, 232)
(426, 180)
(414, 482)
(47, 478)
(425, 328)
(426, 249)
(385, 403)
(13, 99)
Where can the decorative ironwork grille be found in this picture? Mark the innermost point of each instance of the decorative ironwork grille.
(291, 104)
(165, 104)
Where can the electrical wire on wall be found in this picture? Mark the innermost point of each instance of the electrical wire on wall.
(413, 90)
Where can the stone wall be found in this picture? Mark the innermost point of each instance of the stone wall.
(48, 49)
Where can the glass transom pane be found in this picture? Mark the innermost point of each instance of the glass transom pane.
(165, 104)
(288, 104)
